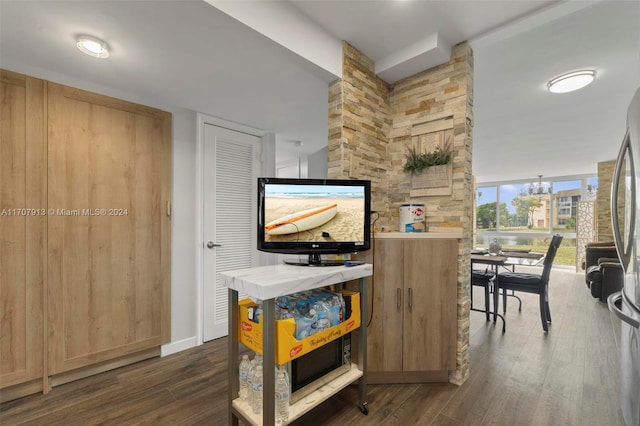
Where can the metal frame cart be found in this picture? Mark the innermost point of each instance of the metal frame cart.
(266, 283)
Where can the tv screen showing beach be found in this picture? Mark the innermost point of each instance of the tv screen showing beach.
(321, 213)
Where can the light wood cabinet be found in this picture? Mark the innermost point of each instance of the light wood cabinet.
(86, 281)
(412, 334)
(108, 245)
(22, 233)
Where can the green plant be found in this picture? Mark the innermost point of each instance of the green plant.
(417, 162)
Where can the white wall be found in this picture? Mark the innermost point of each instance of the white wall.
(317, 164)
(183, 234)
(183, 221)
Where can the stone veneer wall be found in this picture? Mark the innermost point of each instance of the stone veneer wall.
(358, 126)
(604, 231)
(371, 126)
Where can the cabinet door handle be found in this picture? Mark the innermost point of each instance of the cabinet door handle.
(410, 298)
(398, 299)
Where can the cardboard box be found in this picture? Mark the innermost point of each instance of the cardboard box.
(286, 345)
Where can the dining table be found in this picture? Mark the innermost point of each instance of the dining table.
(506, 259)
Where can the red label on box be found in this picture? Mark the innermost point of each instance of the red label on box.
(295, 351)
(246, 326)
(350, 325)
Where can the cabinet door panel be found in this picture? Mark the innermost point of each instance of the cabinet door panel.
(430, 276)
(22, 231)
(385, 332)
(108, 244)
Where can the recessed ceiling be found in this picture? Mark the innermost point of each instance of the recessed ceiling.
(189, 54)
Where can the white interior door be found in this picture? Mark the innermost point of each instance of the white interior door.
(232, 163)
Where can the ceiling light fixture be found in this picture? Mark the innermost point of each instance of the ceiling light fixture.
(93, 46)
(571, 81)
(539, 190)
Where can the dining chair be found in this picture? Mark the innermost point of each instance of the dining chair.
(482, 278)
(531, 283)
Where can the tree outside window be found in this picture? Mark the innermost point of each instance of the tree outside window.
(486, 215)
(526, 206)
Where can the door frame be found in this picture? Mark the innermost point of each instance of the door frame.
(268, 169)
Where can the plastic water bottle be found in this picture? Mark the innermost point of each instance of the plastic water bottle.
(303, 307)
(305, 325)
(284, 314)
(252, 373)
(256, 387)
(337, 306)
(323, 322)
(245, 365)
(259, 311)
(283, 369)
(259, 359)
(322, 316)
(282, 398)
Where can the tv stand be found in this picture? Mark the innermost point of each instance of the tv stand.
(315, 260)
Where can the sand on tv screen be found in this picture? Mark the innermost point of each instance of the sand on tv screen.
(322, 213)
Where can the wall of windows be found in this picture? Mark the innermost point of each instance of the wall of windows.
(525, 214)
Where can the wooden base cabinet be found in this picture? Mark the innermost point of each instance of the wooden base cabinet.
(85, 182)
(412, 335)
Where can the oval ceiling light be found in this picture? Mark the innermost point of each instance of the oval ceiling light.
(93, 46)
(571, 81)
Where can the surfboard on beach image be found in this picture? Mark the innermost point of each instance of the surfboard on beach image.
(302, 220)
(307, 217)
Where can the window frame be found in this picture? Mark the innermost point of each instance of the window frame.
(587, 179)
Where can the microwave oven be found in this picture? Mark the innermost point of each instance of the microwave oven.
(312, 370)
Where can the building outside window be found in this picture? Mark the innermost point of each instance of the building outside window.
(567, 206)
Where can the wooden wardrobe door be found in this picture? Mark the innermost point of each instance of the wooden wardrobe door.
(109, 239)
(23, 200)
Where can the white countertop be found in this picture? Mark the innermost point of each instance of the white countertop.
(267, 282)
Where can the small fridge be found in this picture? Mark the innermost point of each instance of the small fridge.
(625, 304)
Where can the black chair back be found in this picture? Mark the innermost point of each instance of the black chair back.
(550, 256)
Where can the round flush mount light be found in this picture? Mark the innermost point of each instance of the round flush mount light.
(92, 46)
(571, 81)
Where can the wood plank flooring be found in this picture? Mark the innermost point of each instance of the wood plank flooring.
(523, 377)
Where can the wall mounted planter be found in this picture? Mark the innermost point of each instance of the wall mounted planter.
(435, 180)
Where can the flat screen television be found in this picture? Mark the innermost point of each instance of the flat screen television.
(314, 217)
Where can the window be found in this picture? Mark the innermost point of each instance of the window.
(525, 214)
(486, 218)
(526, 210)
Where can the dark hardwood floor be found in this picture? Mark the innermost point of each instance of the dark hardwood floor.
(523, 377)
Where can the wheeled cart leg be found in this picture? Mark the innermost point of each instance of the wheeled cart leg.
(233, 351)
(362, 347)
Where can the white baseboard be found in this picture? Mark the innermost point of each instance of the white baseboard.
(179, 346)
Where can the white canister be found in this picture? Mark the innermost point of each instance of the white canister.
(413, 218)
